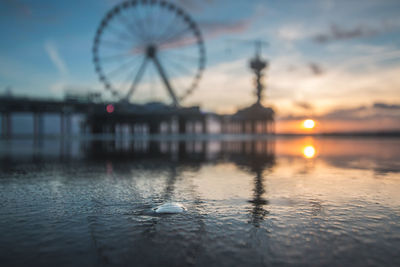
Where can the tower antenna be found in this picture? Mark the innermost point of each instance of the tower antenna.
(257, 64)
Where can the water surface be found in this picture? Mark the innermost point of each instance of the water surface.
(283, 201)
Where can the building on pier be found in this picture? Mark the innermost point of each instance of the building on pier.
(255, 119)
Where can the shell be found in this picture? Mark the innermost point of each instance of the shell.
(170, 208)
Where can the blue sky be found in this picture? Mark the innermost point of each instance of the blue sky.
(324, 55)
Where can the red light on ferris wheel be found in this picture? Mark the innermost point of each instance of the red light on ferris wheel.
(110, 108)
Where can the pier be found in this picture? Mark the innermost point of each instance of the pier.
(127, 119)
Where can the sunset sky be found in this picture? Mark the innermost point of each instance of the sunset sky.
(337, 62)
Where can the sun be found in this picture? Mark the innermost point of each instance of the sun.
(309, 124)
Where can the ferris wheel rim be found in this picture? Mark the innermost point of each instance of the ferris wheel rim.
(179, 12)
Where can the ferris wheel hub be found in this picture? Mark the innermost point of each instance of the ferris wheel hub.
(151, 51)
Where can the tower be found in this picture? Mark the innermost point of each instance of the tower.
(257, 64)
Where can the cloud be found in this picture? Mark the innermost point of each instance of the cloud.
(56, 59)
(32, 13)
(359, 113)
(58, 87)
(327, 5)
(386, 106)
(336, 33)
(194, 5)
(303, 105)
(218, 85)
(17, 7)
(363, 118)
(291, 33)
(217, 28)
(210, 29)
(347, 114)
(351, 81)
(316, 68)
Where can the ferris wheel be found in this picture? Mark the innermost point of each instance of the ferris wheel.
(148, 49)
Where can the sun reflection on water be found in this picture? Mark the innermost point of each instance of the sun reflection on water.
(309, 152)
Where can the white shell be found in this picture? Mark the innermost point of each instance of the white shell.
(169, 208)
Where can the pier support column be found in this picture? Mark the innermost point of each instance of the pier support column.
(169, 127)
(182, 149)
(62, 124)
(3, 125)
(253, 127)
(264, 127)
(6, 125)
(154, 127)
(68, 126)
(132, 129)
(173, 125)
(121, 130)
(243, 127)
(221, 126)
(38, 125)
(65, 124)
(224, 127)
(272, 127)
(113, 129)
(192, 128)
(204, 125)
(182, 125)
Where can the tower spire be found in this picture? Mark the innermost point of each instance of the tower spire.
(257, 64)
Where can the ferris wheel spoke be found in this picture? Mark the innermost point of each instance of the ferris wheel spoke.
(135, 32)
(176, 54)
(126, 24)
(179, 79)
(142, 23)
(169, 33)
(176, 80)
(152, 82)
(159, 24)
(178, 65)
(122, 35)
(150, 23)
(139, 28)
(117, 57)
(128, 78)
(176, 25)
(115, 44)
(138, 76)
(182, 71)
(167, 29)
(156, 16)
(121, 68)
(165, 79)
(176, 38)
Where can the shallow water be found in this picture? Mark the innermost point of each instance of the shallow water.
(283, 201)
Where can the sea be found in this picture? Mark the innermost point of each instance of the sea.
(273, 201)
